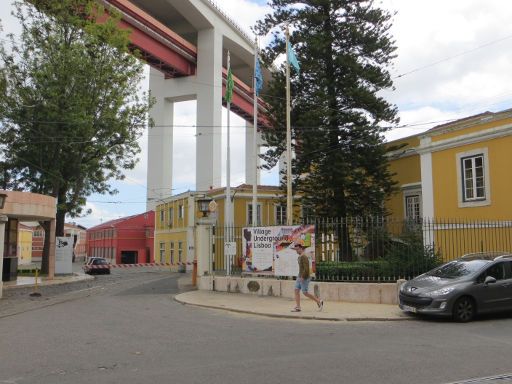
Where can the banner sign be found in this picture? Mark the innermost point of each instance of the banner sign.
(63, 255)
(272, 250)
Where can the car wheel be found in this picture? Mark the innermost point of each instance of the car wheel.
(464, 309)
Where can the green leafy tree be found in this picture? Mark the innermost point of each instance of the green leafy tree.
(71, 110)
(338, 117)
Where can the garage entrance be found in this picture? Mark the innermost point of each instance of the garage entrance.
(129, 257)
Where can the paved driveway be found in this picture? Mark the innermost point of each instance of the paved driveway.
(128, 329)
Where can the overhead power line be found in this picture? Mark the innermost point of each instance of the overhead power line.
(453, 57)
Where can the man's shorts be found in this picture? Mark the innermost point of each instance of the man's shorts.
(302, 284)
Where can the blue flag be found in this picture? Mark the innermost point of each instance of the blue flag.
(259, 78)
(292, 59)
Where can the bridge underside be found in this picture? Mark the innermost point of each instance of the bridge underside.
(187, 42)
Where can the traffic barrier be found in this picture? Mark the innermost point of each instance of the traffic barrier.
(135, 265)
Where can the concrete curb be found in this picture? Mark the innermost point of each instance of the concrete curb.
(48, 283)
(180, 300)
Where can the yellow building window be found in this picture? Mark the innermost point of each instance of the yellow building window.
(162, 252)
(474, 180)
(171, 217)
(280, 214)
(249, 214)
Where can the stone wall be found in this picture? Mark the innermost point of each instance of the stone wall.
(375, 293)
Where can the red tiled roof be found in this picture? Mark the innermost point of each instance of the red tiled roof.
(455, 122)
(114, 222)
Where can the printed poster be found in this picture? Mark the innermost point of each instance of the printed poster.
(275, 250)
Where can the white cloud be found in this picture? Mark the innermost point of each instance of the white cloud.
(458, 53)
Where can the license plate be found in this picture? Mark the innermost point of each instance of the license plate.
(407, 308)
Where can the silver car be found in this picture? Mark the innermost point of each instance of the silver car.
(476, 283)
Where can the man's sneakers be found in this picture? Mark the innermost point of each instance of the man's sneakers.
(296, 309)
(320, 305)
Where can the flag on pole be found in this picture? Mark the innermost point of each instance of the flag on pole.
(292, 59)
(259, 77)
(229, 83)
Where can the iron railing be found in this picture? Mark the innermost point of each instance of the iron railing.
(381, 248)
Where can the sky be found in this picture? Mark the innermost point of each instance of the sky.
(454, 60)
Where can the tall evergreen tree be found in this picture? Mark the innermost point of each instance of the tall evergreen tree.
(71, 112)
(338, 117)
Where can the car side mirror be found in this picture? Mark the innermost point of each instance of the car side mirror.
(489, 280)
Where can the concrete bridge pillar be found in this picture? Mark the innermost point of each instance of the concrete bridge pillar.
(209, 110)
(251, 174)
(160, 137)
(206, 88)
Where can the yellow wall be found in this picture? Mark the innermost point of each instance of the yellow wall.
(176, 221)
(446, 183)
(406, 170)
(178, 231)
(25, 246)
(174, 236)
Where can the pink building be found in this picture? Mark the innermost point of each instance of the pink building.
(128, 240)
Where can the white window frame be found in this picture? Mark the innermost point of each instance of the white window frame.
(171, 245)
(180, 251)
(412, 210)
(162, 252)
(280, 214)
(162, 217)
(181, 211)
(473, 202)
(408, 191)
(248, 211)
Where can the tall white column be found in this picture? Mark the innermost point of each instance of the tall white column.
(159, 174)
(249, 163)
(209, 109)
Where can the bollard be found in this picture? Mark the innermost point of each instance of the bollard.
(35, 293)
(194, 274)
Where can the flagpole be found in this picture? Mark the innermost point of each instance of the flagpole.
(254, 144)
(228, 207)
(289, 197)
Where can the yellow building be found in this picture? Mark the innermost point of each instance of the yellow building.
(176, 217)
(24, 244)
(457, 173)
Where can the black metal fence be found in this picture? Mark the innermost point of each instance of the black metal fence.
(380, 248)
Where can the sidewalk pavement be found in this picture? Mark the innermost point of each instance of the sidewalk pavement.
(281, 307)
(24, 281)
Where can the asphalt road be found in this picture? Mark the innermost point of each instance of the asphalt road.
(126, 328)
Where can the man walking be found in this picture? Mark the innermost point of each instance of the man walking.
(303, 279)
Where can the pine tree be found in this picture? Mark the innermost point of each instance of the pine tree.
(338, 117)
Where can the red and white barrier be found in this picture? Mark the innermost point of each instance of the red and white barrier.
(135, 265)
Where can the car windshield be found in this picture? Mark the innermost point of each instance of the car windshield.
(455, 269)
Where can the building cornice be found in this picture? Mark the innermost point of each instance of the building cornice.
(427, 145)
(402, 153)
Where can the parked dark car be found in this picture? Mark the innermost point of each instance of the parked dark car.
(97, 265)
(476, 283)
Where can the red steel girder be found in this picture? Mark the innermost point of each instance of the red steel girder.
(169, 53)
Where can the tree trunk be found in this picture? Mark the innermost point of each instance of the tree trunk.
(59, 222)
(45, 258)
